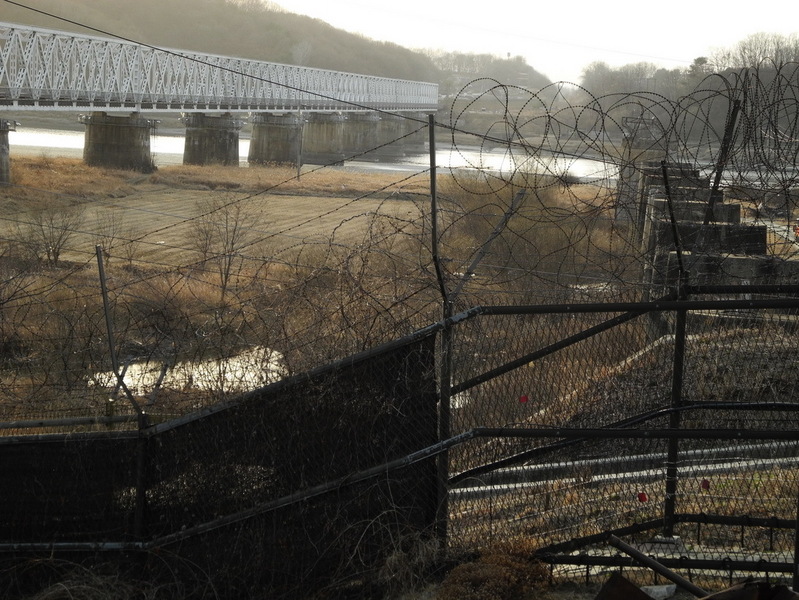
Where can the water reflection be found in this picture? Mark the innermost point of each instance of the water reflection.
(168, 150)
(249, 370)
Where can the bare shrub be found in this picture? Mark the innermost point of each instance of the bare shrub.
(46, 232)
(219, 233)
(54, 579)
(54, 336)
(499, 574)
(130, 247)
(110, 227)
(407, 567)
(163, 316)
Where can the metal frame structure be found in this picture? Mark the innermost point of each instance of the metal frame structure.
(51, 70)
(496, 488)
(724, 450)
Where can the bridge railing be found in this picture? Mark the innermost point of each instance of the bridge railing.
(51, 69)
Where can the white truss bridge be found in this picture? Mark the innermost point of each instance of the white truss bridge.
(42, 69)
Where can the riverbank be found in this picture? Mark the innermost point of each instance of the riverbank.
(167, 123)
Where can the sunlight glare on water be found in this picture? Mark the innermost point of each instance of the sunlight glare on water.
(168, 150)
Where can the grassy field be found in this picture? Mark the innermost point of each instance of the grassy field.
(156, 211)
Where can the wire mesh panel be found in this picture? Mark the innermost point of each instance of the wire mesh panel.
(688, 444)
(282, 490)
(68, 489)
(568, 487)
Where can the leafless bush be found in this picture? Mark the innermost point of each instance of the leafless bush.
(47, 232)
(110, 228)
(219, 234)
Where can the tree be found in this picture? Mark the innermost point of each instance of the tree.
(756, 49)
(219, 233)
(48, 231)
(599, 79)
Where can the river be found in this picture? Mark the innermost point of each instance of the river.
(168, 150)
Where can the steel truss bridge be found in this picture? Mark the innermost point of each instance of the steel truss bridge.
(42, 69)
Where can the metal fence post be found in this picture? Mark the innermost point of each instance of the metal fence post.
(669, 506)
(444, 433)
(795, 581)
(142, 420)
(445, 368)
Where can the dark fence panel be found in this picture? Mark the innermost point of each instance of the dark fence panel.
(294, 436)
(251, 497)
(70, 488)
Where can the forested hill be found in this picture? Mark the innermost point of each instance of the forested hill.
(246, 28)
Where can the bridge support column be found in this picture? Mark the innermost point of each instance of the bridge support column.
(323, 141)
(416, 125)
(121, 142)
(211, 140)
(389, 136)
(397, 133)
(5, 157)
(276, 139)
(361, 134)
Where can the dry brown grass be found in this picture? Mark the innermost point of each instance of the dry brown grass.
(505, 573)
(72, 177)
(335, 182)
(153, 213)
(32, 175)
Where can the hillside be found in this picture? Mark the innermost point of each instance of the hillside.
(260, 31)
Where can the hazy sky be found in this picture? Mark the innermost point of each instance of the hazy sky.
(559, 38)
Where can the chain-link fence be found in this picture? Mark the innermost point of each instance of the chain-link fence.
(614, 300)
(687, 444)
(288, 489)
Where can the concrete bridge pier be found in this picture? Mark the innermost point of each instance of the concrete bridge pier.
(415, 124)
(121, 142)
(5, 158)
(276, 139)
(400, 135)
(332, 138)
(388, 130)
(361, 134)
(324, 139)
(211, 139)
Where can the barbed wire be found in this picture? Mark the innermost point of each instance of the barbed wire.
(577, 233)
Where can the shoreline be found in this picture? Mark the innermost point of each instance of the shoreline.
(161, 159)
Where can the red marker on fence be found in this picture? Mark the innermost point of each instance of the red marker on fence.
(642, 497)
(705, 484)
(523, 399)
